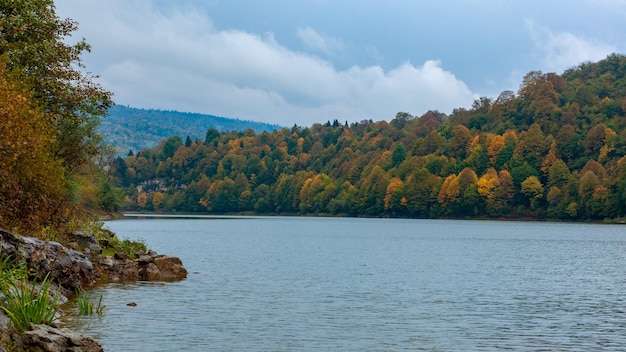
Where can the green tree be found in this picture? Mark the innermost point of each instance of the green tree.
(556, 203)
(503, 194)
(34, 40)
(211, 137)
(221, 197)
(422, 188)
(398, 155)
(111, 198)
(558, 174)
(432, 143)
(621, 186)
(170, 146)
(371, 194)
(344, 199)
(595, 138)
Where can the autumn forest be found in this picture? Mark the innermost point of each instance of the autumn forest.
(552, 150)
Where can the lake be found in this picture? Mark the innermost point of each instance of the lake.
(344, 284)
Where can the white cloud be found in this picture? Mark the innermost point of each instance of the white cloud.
(153, 59)
(317, 42)
(562, 50)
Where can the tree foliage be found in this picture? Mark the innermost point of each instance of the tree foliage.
(49, 111)
(552, 151)
(33, 39)
(32, 180)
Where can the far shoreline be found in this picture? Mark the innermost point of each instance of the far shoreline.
(139, 215)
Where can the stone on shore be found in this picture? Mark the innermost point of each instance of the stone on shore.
(114, 269)
(69, 268)
(148, 267)
(85, 241)
(73, 270)
(49, 339)
(170, 268)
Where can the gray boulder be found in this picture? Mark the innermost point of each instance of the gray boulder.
(85, 241)
(71, 269)
(49, 339)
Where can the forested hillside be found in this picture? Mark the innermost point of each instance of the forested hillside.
(134, 129)
(553, 149)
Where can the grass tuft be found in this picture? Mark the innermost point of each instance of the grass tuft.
(128, 247)
(27, 302)
(87, 307)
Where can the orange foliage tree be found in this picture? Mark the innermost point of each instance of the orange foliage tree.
(32, 181)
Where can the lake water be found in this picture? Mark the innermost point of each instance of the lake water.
(340, 284)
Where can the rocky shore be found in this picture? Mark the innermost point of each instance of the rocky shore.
(79, 264)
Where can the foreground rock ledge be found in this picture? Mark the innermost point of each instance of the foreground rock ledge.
(77, 268)
(83, 266)
(50, 339)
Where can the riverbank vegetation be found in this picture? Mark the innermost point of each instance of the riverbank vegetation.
(553, 149)
(27, 303)
(53, 185)
(49, 113)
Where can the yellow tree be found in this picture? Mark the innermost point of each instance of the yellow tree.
(449, 191)
(142, 199)
(496, 145)
(487, 183)
(394, 196)
(498, 190)
(550, 159)
(458, 194)
(316, 193)
(32, 181)
(157, 200)
(35, 42)
(533, 189)
(609, 145)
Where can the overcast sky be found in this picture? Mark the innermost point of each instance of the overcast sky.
(306, 61)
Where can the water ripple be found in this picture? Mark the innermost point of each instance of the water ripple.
(372, 285)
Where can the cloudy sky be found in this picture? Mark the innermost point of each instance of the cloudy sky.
(306, 61)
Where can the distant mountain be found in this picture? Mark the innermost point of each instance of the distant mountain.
(134, 129)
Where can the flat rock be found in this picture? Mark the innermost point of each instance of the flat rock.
(150, 272)
(86, 242)
(49, 339)
(170, 267)
(69, 268)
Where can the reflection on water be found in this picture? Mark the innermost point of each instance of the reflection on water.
(302, 284)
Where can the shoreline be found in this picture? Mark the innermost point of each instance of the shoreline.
(139, 215)
(87, 260)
